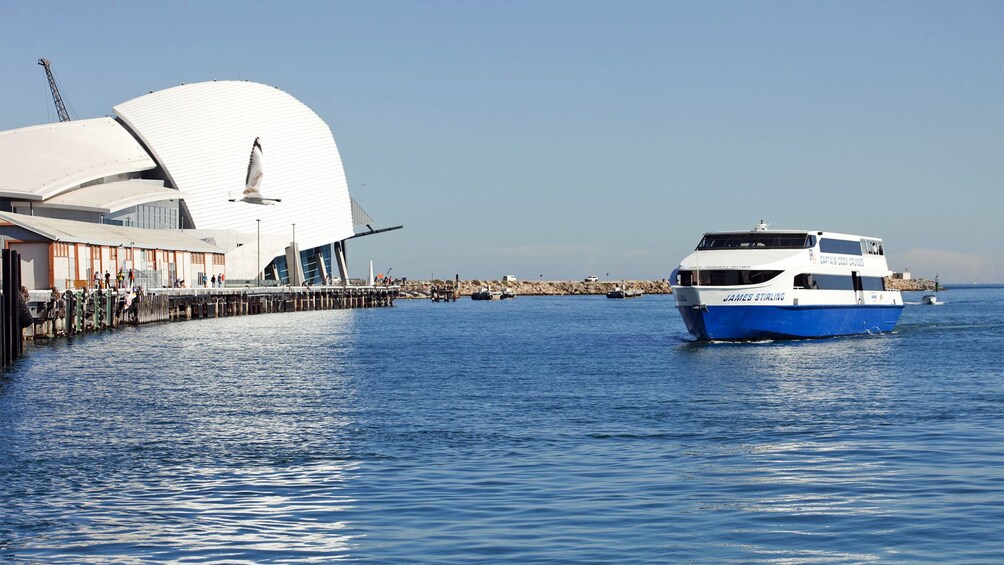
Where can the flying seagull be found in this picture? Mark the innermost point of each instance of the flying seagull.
(252, 190)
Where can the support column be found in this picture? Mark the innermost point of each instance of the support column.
(340, 255)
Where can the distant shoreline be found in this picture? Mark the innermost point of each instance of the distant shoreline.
(423, 288)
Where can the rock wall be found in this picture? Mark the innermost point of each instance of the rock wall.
(416, 289)
(912, 284)
(538, 288)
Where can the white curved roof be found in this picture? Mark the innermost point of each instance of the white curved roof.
(111, 197)
(202, 135)
(40, 162)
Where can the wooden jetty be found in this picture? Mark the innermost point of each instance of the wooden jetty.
(445, 292)
(79, 311)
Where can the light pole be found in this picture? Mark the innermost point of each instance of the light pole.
(259, 251)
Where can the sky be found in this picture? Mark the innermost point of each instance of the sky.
(556, 139)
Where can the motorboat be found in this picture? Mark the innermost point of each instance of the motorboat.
(931, 299)
(486, 293)
(624, 292)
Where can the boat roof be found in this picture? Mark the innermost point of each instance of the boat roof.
(790, 232)
(743, 232)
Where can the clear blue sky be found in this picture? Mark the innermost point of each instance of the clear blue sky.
(559, 139)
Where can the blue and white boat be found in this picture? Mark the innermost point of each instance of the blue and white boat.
(788, 284)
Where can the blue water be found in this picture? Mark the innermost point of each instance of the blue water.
(539, 430)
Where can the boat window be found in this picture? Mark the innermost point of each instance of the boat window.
(729, 277)
(872, 283)
(836, 282)
(713, 241)
(872, 247)
(843, 246)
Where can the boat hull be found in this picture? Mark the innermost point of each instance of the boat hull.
(624, 294)
(735, 323)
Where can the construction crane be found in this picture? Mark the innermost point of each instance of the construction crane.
(60, 108)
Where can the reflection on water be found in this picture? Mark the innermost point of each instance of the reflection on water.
(198, 441)
(537, 430)
(199, 513)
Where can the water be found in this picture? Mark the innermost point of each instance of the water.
(568, 429)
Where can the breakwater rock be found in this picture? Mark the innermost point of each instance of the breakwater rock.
(910, 284)
(422, 289)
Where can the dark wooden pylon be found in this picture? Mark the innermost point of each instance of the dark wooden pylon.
(11, 343)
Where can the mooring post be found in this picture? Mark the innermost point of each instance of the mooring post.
(68, 312)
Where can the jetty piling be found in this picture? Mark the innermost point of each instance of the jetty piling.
(12, 307)
(79, 311)
(444, 292)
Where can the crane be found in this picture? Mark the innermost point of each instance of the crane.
(60, 108)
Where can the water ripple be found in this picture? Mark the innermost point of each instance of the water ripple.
(544, 430)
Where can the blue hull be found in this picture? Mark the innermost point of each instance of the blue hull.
(787, 322)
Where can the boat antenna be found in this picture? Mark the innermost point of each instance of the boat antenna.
(762, 226)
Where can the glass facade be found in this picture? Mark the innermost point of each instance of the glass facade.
(157, 216)
(311, 259)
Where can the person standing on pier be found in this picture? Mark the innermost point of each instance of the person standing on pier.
(214, 281)
(108, 280)
(120, 279)
(132, 278)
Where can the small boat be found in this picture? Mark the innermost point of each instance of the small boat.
(785, 284)
(931, 299)
(507, 293)
(622, 292)
(486, 293)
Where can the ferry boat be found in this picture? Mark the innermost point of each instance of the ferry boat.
(785, 284)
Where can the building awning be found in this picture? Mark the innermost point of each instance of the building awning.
(69, 231)
(113, 196)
